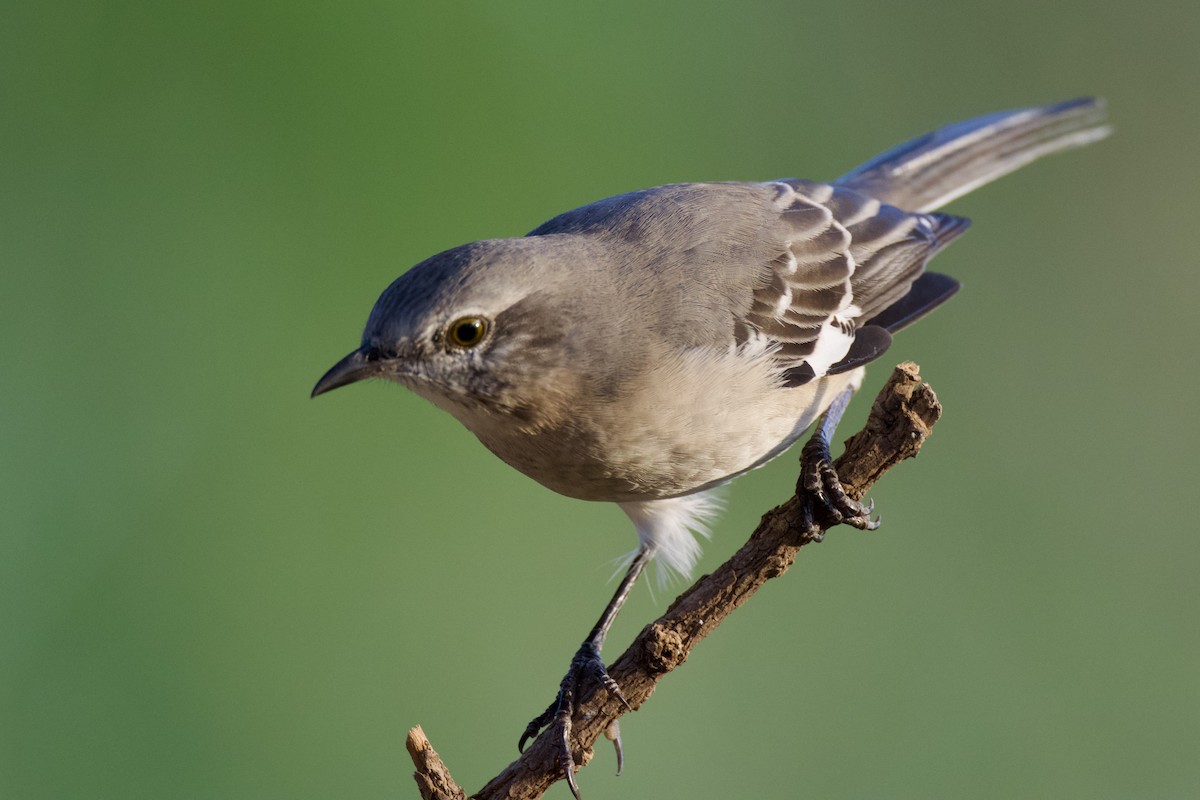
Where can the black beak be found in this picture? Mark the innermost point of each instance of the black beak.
(355, 367)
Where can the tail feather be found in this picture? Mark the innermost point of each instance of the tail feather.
(931, 170)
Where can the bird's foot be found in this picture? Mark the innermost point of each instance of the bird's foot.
(585, 666)
(825, 500)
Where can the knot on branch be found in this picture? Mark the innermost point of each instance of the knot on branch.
(664, 648)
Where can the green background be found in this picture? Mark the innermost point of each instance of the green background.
(213, 587)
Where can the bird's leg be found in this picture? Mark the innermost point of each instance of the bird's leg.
(820, 480)
(587, 663)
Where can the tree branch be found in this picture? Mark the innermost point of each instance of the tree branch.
(901, 418)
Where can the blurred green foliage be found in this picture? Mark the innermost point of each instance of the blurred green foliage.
(212, 587)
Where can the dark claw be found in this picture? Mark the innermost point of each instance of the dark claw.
(567, 760)
(825, 491)
(586, 663)
(613, 734)
(613, 689)
(536, 724)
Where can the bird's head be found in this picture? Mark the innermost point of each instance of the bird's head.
(479, 330)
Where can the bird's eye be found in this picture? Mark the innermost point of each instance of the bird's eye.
(467, 331)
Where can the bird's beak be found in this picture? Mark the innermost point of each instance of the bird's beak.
(355, 367)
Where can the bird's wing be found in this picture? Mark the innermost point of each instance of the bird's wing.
(843, 259)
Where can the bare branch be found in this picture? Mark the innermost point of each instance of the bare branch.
(901, 418)
(432, 777)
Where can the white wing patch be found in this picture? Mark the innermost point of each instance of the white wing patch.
(833, 342)
(785, 299)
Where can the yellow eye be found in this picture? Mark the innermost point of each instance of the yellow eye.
(467, 331)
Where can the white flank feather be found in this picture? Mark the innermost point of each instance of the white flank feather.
(669, 527)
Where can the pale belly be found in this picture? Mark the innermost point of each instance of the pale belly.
(680, 434)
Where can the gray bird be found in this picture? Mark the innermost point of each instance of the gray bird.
(647, 348)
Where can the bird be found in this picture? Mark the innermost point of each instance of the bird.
(648, 348)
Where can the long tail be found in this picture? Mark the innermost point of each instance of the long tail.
(933, 169)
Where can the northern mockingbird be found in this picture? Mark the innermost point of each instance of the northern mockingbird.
(650, 347)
